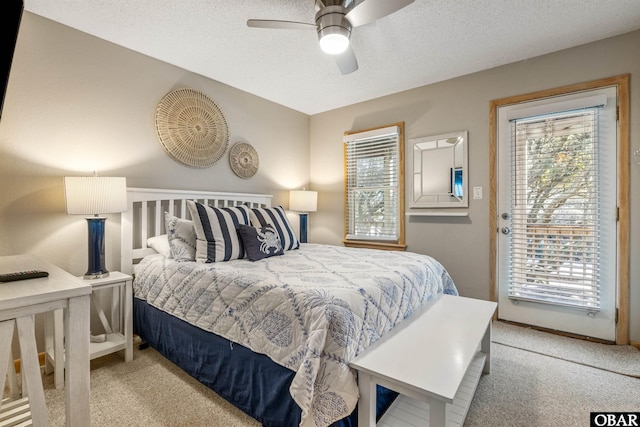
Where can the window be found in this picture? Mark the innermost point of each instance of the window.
(556, 213)
(374, 187)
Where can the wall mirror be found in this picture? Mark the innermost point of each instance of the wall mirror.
(440, 171)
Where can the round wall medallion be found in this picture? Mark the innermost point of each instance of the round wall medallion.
(191, 128)
(243, 159)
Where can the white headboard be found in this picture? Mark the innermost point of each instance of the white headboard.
(144, 217)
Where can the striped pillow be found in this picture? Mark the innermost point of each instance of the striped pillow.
(261, 217)
(217, 231)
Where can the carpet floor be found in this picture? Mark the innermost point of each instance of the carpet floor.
(537, 379)
(531, 389)
(621, 359)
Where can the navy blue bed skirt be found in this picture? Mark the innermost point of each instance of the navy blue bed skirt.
(250, 381)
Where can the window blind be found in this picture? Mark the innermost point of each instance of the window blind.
(372, 185)
(555, 209)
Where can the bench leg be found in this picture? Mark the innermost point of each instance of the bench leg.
(485, 347)
(76, 362)
(128, 321)
(54, 339)
(58, 348)
(6, 356)
(12, 378)
(31, 370)
(367, 401)
(437, 413)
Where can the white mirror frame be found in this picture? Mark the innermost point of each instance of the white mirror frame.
(436, 162)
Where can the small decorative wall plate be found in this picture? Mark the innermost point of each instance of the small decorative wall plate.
(244, 160)
(191, 128)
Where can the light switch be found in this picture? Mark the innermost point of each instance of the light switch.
(477, 192)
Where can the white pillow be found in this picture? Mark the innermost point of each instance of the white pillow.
(160, 244)
(181, 237)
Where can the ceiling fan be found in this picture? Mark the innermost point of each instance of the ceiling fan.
(334, 22)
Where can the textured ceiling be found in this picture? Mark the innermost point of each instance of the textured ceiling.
(426, 42)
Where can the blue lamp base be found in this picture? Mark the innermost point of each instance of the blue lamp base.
(303, 227)
(97, 268)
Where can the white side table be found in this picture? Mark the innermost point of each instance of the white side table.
(19, 301)
(118, 327)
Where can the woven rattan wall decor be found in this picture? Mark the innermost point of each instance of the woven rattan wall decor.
(191, 128)
(244, 160)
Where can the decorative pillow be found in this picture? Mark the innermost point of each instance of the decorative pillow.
(160, 244)
(181, 237)
(260, 243)
(277, 218)
(217, 231)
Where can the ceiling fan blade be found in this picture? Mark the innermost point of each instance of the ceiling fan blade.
(371, 10)
(287, 25)
(347, 62)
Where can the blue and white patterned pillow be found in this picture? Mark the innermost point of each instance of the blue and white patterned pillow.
(181, 236)
(260, 243)
(217, 231)
(277, 218)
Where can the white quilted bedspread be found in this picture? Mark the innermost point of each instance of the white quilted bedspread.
(311, 310)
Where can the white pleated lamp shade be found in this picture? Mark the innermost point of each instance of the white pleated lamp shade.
(303, 201)
(94, 195)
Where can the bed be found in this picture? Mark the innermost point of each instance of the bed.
(264, 321)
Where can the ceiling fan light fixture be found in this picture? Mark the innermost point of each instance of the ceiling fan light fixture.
(333, 29)
(334, 43)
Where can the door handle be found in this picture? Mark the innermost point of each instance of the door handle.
(505, 230)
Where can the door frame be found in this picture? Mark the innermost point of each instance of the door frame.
(622, 290)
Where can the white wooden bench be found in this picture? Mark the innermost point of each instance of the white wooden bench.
(446, 344)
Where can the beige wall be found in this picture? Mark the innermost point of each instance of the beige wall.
(462, 244)
(76, 104)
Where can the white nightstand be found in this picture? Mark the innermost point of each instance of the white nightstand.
(118, 327)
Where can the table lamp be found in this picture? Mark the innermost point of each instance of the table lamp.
(95, 195)
(303, 202)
